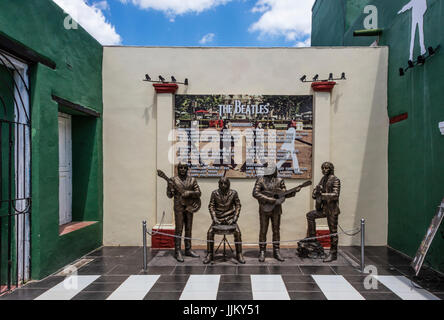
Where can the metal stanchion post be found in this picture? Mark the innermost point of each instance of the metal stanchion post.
(144, 245)
(362, 244)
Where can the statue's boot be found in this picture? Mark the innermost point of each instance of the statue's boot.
(262, 254)
(332, 256)
(239, 255)
(210, 253)
(208, 259)
(188, 251)
(177, 251)
(277, 254)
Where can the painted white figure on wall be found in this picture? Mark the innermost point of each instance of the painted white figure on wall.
(419, 8)
(290, 151)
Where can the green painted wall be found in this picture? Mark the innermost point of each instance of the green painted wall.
(416, 147)
(328, 22)
(77, 78)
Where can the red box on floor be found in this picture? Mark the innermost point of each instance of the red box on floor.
(326, 241)
(161, 241)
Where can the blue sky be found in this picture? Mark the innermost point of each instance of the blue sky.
(262, 23)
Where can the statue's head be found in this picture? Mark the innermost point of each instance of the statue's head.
(182, 169)
(271, 171)
(224, 184)
(328, 168)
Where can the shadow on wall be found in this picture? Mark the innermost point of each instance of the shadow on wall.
(369, 179)
(85, 169)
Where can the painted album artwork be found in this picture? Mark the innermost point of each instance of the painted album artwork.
(427, 241)
(244, 136)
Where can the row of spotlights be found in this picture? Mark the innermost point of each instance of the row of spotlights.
(162, 80)
(330, 78)
(420, 61)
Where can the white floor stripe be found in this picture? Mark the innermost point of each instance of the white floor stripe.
(337, 288)
(268, 287)
(405, 289)
(201, 287)
(68, 288)
(134, 288)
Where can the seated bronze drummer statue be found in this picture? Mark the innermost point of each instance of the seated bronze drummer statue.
(224, 209)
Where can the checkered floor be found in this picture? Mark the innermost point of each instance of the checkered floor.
(114, 273)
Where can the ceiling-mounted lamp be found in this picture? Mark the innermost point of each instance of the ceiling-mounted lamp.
(162, 79)
(186, 82)
(421, 60)
(330, 77)
(303, 78)
(173, 80)
(315, 78)
(343, 76)
(147, 77)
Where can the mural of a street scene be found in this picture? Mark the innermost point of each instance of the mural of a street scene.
(241, 136)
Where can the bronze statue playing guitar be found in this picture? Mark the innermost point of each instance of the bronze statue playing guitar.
(186, 193)
(270, 192)
(281, 195)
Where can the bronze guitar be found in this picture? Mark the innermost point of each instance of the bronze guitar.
(318, 193)
(191, 204)
(280, 196)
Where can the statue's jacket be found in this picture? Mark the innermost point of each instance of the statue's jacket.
(220, 203)
(263, 184)
(189, 184)
(330, 196)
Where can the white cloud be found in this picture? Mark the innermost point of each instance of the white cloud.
(102, 5)
(207, 38)
(290, 19)
(91, 18)
(305, 43)
(173, 8)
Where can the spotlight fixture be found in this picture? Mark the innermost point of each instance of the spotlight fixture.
(401, 72)
(315, 78)
(173, 80)
(186, 82)
(330, 77)
(147, 77)
(162, 79)
(410, 63)
(303, 78)
(431, 51)
(421, 60)
(343, 76)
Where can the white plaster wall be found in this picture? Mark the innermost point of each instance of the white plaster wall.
(357, 134)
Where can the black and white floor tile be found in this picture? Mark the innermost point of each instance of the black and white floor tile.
(115, 274)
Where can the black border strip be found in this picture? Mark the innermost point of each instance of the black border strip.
(21, 51)
(76, 107)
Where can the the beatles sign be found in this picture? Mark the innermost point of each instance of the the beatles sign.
(243, 136)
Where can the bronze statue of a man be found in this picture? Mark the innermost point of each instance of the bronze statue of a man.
(270, 209)
(224, 209)
(186, 193)
(326, 194)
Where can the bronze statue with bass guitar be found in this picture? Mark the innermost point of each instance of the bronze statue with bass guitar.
(186, 193)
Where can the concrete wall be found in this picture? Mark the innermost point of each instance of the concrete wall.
(351, 130)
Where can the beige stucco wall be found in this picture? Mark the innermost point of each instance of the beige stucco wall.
(355, 138)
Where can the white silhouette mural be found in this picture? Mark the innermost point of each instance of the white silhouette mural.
(419, 8)
(290, 151)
